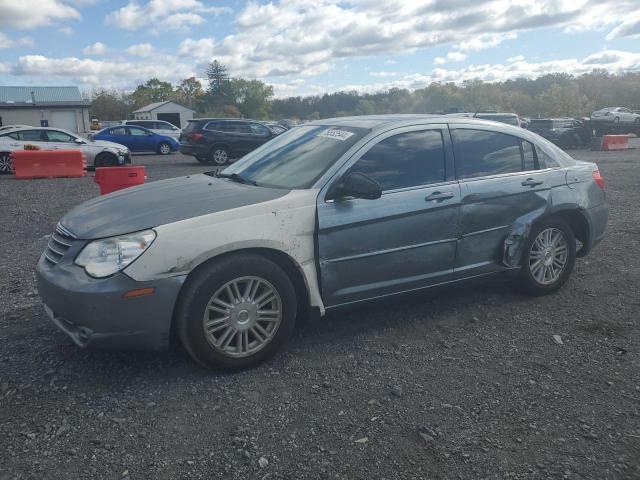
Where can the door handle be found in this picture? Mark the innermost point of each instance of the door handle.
(530, 182)
(439, 196)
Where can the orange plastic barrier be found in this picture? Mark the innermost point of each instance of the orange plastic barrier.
(111, 179)
(48, 163)
(615, 142)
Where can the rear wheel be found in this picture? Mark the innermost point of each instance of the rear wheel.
(548, 258)
(106, 160)
(237, 312)
(219, 155)
(6, 164)
(164, 148)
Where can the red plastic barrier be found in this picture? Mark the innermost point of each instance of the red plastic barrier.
(615, 142)
(48, 163)
(111, 179)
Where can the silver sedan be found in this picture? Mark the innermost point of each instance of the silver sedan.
(98, 153)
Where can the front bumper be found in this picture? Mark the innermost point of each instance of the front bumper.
(94, 313)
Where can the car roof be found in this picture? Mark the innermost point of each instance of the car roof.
(26, 127)
(378, 121)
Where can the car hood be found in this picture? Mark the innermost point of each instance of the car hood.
(159, 203)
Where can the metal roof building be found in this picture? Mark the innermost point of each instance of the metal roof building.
(61, 107)
(169, 111)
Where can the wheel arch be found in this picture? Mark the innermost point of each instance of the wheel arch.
(282, 259)
(571, 214)
(219, 144)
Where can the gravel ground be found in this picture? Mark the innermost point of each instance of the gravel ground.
(468, 383)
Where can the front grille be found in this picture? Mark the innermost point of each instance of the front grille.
(59, 242)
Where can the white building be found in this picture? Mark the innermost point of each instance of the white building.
(168, 111)
(61, 107)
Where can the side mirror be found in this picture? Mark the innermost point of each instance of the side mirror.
(79, 141)
(356, 185)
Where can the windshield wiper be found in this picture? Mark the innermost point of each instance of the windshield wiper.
(236, 178)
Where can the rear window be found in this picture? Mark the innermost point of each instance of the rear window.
(191, 127)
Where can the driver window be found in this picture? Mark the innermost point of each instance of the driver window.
(55, 136)
(137, 132)
(405, 160)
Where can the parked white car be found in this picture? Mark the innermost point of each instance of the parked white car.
(615, 115)
(11, 127)
(98, 153)
(157, 126)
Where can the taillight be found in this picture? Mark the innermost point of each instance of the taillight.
(598, 179)
(194, 137)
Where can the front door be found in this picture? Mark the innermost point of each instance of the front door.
(141, 139)
(502, 187)
(404, 240)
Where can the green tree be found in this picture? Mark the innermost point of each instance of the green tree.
(189, 92)
(109, 105)
(252, 97)
(153, 90)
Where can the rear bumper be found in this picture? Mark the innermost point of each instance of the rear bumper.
(94, 313)
(193, 150)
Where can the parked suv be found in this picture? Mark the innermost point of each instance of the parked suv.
(218, 140)
(564, 132)
(327, 215)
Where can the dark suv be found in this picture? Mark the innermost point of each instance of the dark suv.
(217, 140)
(564, 132)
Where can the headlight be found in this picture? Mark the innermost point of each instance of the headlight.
(105, 257)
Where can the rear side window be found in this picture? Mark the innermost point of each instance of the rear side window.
(118, 131)
(218, 126)
(405, 160)
(30, 135)
(236, 127)
(480, 153)
(545, 160)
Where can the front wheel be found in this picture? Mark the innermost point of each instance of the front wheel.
(548, 258)
(164, 148)
(219, 156)
(6, 164)
(237, 312)
(106, 160)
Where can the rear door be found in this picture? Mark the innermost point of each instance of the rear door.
(30, 137)
(404, 240)
(120, 135)
(239, 136)
(501, 184)
(259, 135)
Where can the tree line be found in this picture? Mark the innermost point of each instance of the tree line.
(552, 95)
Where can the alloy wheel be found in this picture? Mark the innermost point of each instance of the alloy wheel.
(242, 316)
(548, 256)
(165, 149)
(220, 156)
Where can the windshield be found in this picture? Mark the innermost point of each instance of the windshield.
(297, 157)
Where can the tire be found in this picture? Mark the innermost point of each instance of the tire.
(164, 148)
(105, 160)
(555, 267)
(210, 297)
(219, 155)
(6, 164)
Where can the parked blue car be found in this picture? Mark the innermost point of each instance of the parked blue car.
(138, 139)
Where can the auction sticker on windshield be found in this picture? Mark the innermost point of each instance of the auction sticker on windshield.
(341, 135)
